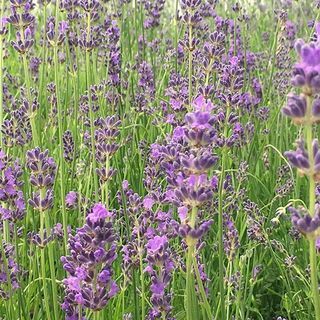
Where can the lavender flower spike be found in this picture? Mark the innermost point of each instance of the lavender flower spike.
(300, 159)
(92, 251)
(306, 73)
(296, 109)
(306, 224)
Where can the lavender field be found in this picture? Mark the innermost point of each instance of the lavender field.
(159, 159)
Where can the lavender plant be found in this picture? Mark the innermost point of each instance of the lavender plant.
(303, 110)
(142, 173)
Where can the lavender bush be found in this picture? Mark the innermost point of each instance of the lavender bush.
(159, 159)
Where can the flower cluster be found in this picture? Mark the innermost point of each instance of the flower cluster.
(42, 174)
(160, 266)
(187, 160)
(89, 266)
(23, 21)
(12, 206)
(106, 136)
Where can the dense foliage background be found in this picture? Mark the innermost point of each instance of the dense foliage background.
(165, 139)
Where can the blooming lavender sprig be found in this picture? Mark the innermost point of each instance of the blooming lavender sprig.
(12, 206)
(23, 21)
(9, 271)
(89, 266)
(300, 159)
(106, 137)
(306, 224)
(42, 168)
(186, 160)
(68, 146)
(307, 77)
(153, 13)
(42, 175)
(230, 238)
(62, 29)
(113, 60)
(160, 266)
(296, 109)
(146, 88)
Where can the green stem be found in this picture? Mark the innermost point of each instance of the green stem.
(43, 261)
(9, 305)
(191, 302)
(52, 272)
(314, 278)
(1, 79)
(220, 236)
(201, 289)
(44, 53)
(35, 137)
(20, 296)
(88, 79)
(229, 273)
(142, 282)
(61, 163)
(312, 202)
(190, 64)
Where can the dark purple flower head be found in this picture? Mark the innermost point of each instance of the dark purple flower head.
(68, 146)
(72, 200)
(199, 128)
(307, 71)
(160, 267)
(89, 265)
(304, 222)
(98, 214)
(300, 159)
(12, 199)
(9, 271)
(3, 26)
(157, 244)
(296, 109)
(42, 168)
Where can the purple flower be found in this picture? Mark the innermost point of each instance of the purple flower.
(304, 222)
(92, 252)
(306, 71)
(98, 213)
(72, 199)
(148, 203)
(300, 159)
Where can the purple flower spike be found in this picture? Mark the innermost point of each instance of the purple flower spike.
(304, 222)
(12, 199)
(89, 265)
(306, 72)
(160, 267)
(296, 109)
(300, 159)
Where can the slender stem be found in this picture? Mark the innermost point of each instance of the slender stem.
(201, 289)
(43, 260)
(44, 52)
(190, 64)
(220, 233)
(190, 294)
(312, 201)
(52, 272)
(35, 137)
(20, 296)
(314, 278)
(142, 282)
(106, 184)
(1, 80)
(95, 177)
(229, 272)
(61, 164)
(10, 308)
